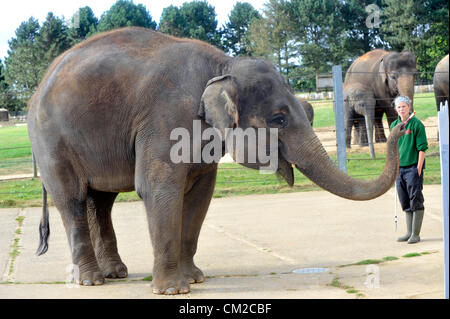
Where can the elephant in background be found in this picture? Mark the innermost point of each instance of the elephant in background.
(308, 109)
(359, 111)
(440, 82)
(101, 122)
(384, 75)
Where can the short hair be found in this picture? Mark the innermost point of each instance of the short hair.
(402, 98)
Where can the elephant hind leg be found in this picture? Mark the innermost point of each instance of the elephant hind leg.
(69, 196)
(99, 205)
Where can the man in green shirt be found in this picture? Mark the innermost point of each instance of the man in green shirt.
(412, 147)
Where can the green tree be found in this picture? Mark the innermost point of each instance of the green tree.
(401, 24)
(23, 66)
(319, 29)
(27, 32)
(259, 41)
(125, 13)
(195, 19)
(83, 24)
(7, 98)
(29, 55)
(236, 30)
(434, 45)
(3, 86)
(271, 37)
(172, 22)
(363, 33)
(419, 26)
(2, 76)
(51, 41)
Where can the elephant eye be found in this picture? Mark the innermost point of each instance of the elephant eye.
(279, 120)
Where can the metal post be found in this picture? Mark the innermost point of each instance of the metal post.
(443, 117)
(339, 117)
(34, 166)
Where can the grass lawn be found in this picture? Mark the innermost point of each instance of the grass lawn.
(232, 179)
(14, 142)
(15, 150)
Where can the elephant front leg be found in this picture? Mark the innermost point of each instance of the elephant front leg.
(362, 132)
(380, 137)
(348, 130)
(369, 125)
(163, 200)
(195, 206)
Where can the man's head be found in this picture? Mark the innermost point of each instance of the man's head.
(402, 106)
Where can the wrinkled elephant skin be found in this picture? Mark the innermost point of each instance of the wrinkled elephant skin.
(383, 75)
(100, 124)
(359, 111)
(308, 109)
(440, 82)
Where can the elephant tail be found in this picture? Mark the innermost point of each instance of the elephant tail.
(44, 226)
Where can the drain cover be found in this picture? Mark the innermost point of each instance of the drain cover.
(309, 270)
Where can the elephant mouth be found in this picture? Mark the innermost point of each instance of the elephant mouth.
(285, 170)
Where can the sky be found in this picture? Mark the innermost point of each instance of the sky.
(14, 12)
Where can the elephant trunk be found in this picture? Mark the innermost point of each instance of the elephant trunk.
(405, 85)
(312, 160)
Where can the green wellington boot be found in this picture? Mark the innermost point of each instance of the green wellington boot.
(409, 222)
(416, 225)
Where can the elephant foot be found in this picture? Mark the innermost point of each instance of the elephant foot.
(170, 286)
(192, 273)
(114, 269)
(89, 277)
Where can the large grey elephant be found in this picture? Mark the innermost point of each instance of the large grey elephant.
(440, 82)
(383, 75)
(100, 123)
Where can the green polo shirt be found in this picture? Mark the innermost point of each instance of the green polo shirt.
(414, 140)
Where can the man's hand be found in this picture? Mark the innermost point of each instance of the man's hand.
(420, 162)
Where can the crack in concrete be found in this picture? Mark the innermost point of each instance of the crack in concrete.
(251, 244)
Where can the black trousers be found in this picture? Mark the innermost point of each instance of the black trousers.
(409, 187)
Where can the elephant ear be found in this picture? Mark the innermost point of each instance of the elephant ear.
(218, 106)
(382, 71)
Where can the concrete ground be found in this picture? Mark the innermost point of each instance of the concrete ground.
(248, 248)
